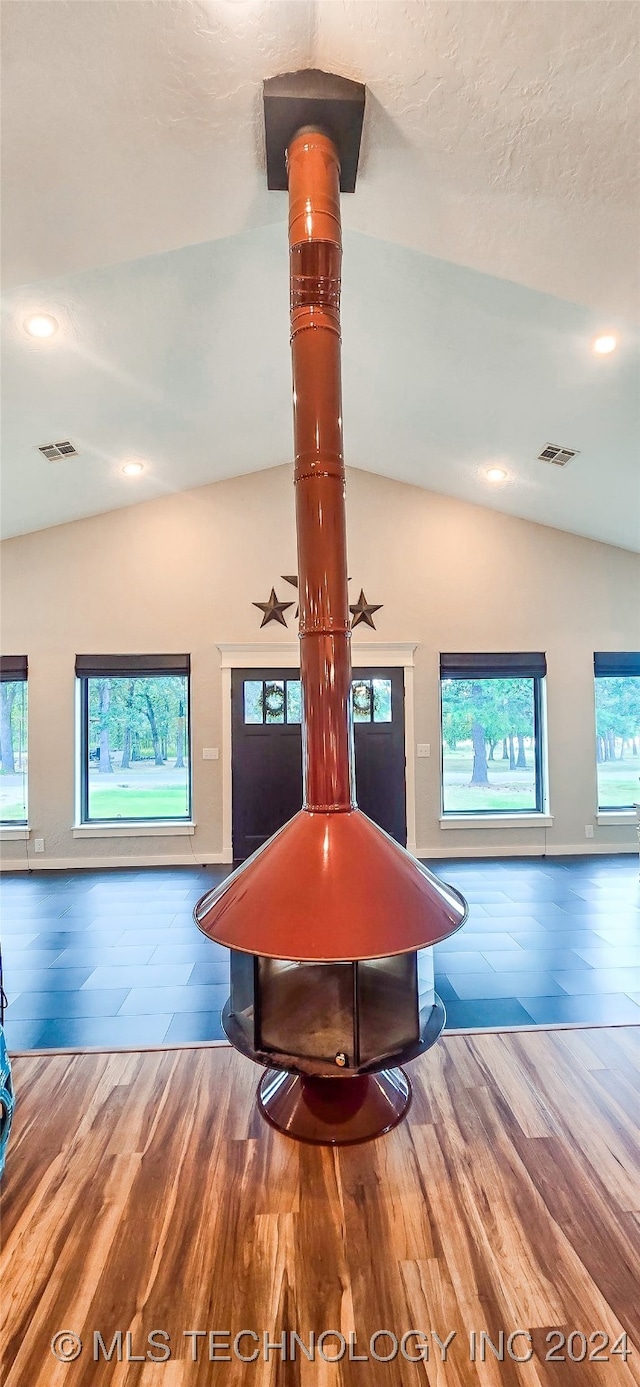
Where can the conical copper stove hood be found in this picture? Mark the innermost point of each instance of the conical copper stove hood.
(331, 922)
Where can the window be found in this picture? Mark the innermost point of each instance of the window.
(13, 739)
(280, 700)
(135, 760)
(617, 680)
(492, 733)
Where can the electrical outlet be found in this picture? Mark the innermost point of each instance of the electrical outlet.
(588, 830)
(424, 749)
(210, 753)
(38, 845)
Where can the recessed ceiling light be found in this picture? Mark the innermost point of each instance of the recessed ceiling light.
(496, 474)
(133, 469)
(604, 344)
(41, 325)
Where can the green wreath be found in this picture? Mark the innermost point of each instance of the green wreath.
(273, 700)
(362, 697)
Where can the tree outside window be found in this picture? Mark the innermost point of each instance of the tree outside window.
(490, 752)
(618, 741)
(13, 751)
(136, 753)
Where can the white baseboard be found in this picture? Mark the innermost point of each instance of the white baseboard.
(207, 859)
(587, 849)
(508, 850)
(65, 864)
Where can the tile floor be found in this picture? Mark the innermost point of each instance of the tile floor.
(114, 959)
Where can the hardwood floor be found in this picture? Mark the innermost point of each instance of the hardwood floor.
(143, 1192)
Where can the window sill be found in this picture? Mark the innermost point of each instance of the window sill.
(20, 833)
(615, 817)
(496, 821)
(129, 830)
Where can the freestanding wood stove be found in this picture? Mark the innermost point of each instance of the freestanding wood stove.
(330, 923)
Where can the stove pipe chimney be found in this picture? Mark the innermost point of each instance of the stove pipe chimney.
(315, 254)
(330, 922)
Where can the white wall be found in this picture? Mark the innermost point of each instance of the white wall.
(180, 574)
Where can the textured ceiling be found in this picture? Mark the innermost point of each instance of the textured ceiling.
(498, 135)
(494, 230)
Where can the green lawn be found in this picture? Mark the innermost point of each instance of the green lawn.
(156, 802)
(514, 790)
(619, 782)
(13, 810)
(519, 799)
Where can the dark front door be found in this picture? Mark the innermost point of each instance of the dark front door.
(267, 751)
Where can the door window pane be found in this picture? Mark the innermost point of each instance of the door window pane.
(361, 694)
(274, 701)
(294, 700)
(273, 698)
(489, 753)
(618, 741)
(253, 700)
(137, 758)
(381, 700)
(13, 751)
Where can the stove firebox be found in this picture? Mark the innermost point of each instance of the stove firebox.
(319, 1018)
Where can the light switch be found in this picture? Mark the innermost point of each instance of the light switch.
(210, 753)
(424, 749)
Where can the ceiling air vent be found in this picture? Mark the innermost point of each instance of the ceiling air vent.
(53, 451)
(558, 456)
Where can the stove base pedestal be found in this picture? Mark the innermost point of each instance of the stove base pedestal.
(334, 1112)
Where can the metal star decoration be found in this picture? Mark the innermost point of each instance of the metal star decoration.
(273, 609)
(292, 578)
(363, 611)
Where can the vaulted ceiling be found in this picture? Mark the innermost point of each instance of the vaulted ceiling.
(492, 235)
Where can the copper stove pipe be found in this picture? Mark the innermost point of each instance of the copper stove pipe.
(329, 885)
(315, 255)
